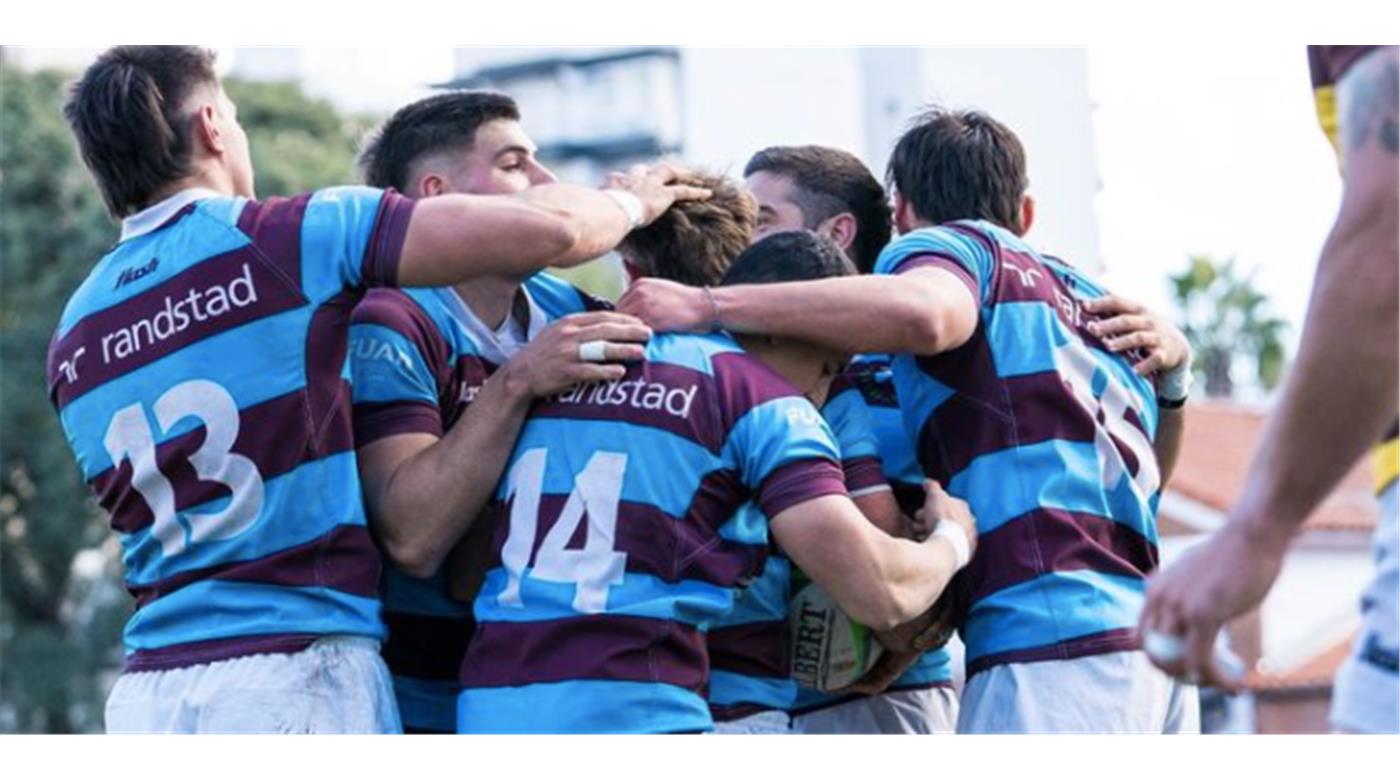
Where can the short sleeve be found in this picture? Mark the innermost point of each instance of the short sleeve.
(558, 298)
(356, 235)
(394, 350)
(785, 454)
(959, 248)
(850, 422)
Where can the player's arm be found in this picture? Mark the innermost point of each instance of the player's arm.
(455, 237)
(1337, 400)
(878, 580)
(423, 492)
(1161, 351)
(923, 311)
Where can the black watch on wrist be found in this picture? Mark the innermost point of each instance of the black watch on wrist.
(1168, 403)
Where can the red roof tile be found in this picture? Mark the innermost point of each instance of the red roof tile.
(1220, 441)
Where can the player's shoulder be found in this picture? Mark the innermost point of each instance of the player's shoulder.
(962, 240)
(418, 314)
(558, 297)
(711, 354)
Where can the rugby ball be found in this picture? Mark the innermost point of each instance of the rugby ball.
(829, 650)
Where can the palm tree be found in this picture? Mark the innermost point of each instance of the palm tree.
(1228, 321)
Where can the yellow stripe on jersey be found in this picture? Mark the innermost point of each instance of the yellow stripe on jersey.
(1326, 100)
(1387, 463)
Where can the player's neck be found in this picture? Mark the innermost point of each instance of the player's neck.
(198, 179)
(490, 298)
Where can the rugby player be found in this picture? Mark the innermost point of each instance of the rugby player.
(1015, 400)
(831, 192)
(1339, 395)
(622, 529)
(443, 376)
(200, 374)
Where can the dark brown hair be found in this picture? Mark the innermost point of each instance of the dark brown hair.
(953, 165)
(128, 115)
(439, 123)
(828, 182)
(694, 242)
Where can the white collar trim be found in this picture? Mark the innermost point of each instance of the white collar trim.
(152, 217)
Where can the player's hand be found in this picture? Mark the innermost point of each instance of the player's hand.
(888, 667)
(669, 307)
(551, 364)
(655, 186)
(1212, 583)
(939, 507)
(1126, 325)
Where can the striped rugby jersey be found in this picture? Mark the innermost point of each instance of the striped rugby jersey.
(869, 382)
(200, 376)
(1048, 437)
(599, 625)
(418, 358)
(750, 661)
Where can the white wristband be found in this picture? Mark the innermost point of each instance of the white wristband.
(1175, 385)
(631, 205)
(956, 536)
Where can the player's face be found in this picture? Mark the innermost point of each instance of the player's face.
(239, 158)
(501, 161)
(776, 210)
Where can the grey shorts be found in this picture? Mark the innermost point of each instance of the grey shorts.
(1366, 695)
(921, 711)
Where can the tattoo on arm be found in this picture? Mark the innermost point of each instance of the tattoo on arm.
(1369, 94)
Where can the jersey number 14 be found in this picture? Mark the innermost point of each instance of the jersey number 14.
(596, 493)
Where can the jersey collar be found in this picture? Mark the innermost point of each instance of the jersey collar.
(152, 217)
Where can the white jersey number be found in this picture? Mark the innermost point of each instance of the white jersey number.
(1077, 365)
(129, 437)
(596, 494)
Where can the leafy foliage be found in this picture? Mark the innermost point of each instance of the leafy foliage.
(1228, 322)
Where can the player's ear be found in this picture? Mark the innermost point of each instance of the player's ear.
(841, 229)
(1027, 214)
(205, 129)
(431, 185)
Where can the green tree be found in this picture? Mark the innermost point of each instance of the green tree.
(61, 600)
(1228, 322)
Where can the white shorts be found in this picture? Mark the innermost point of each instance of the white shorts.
(922, 711)
(766, 722)
(338, 685)
(1100, 694)
(1366, 695)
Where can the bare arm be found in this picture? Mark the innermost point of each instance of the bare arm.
(1171, 429)
(1337, 399)
(423, 493)
(878, 580)
(924, 311)
(455, 237)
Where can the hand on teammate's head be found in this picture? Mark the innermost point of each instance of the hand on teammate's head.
(656, 187)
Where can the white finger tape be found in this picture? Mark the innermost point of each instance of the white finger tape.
(593, 351)
(1166, 648)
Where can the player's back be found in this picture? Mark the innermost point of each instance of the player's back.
(617, 541)
(200, 377)
(1048, 436)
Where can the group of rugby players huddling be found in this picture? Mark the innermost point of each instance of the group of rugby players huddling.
(374, 470)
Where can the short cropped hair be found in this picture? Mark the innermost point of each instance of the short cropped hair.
(790, 256)
(952, 165)
(695, 241)
(828, 182)
(445, 122)
(127, 113)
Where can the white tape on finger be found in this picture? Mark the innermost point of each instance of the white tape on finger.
(593, 351)
(1164, 648)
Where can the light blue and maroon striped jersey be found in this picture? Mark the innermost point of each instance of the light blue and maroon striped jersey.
(1048, 436)
(418, 358)
(200, 376)
(619, 541)
(869, 382)
(749, 648)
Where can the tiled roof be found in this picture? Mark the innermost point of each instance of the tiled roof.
(1219, 442)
